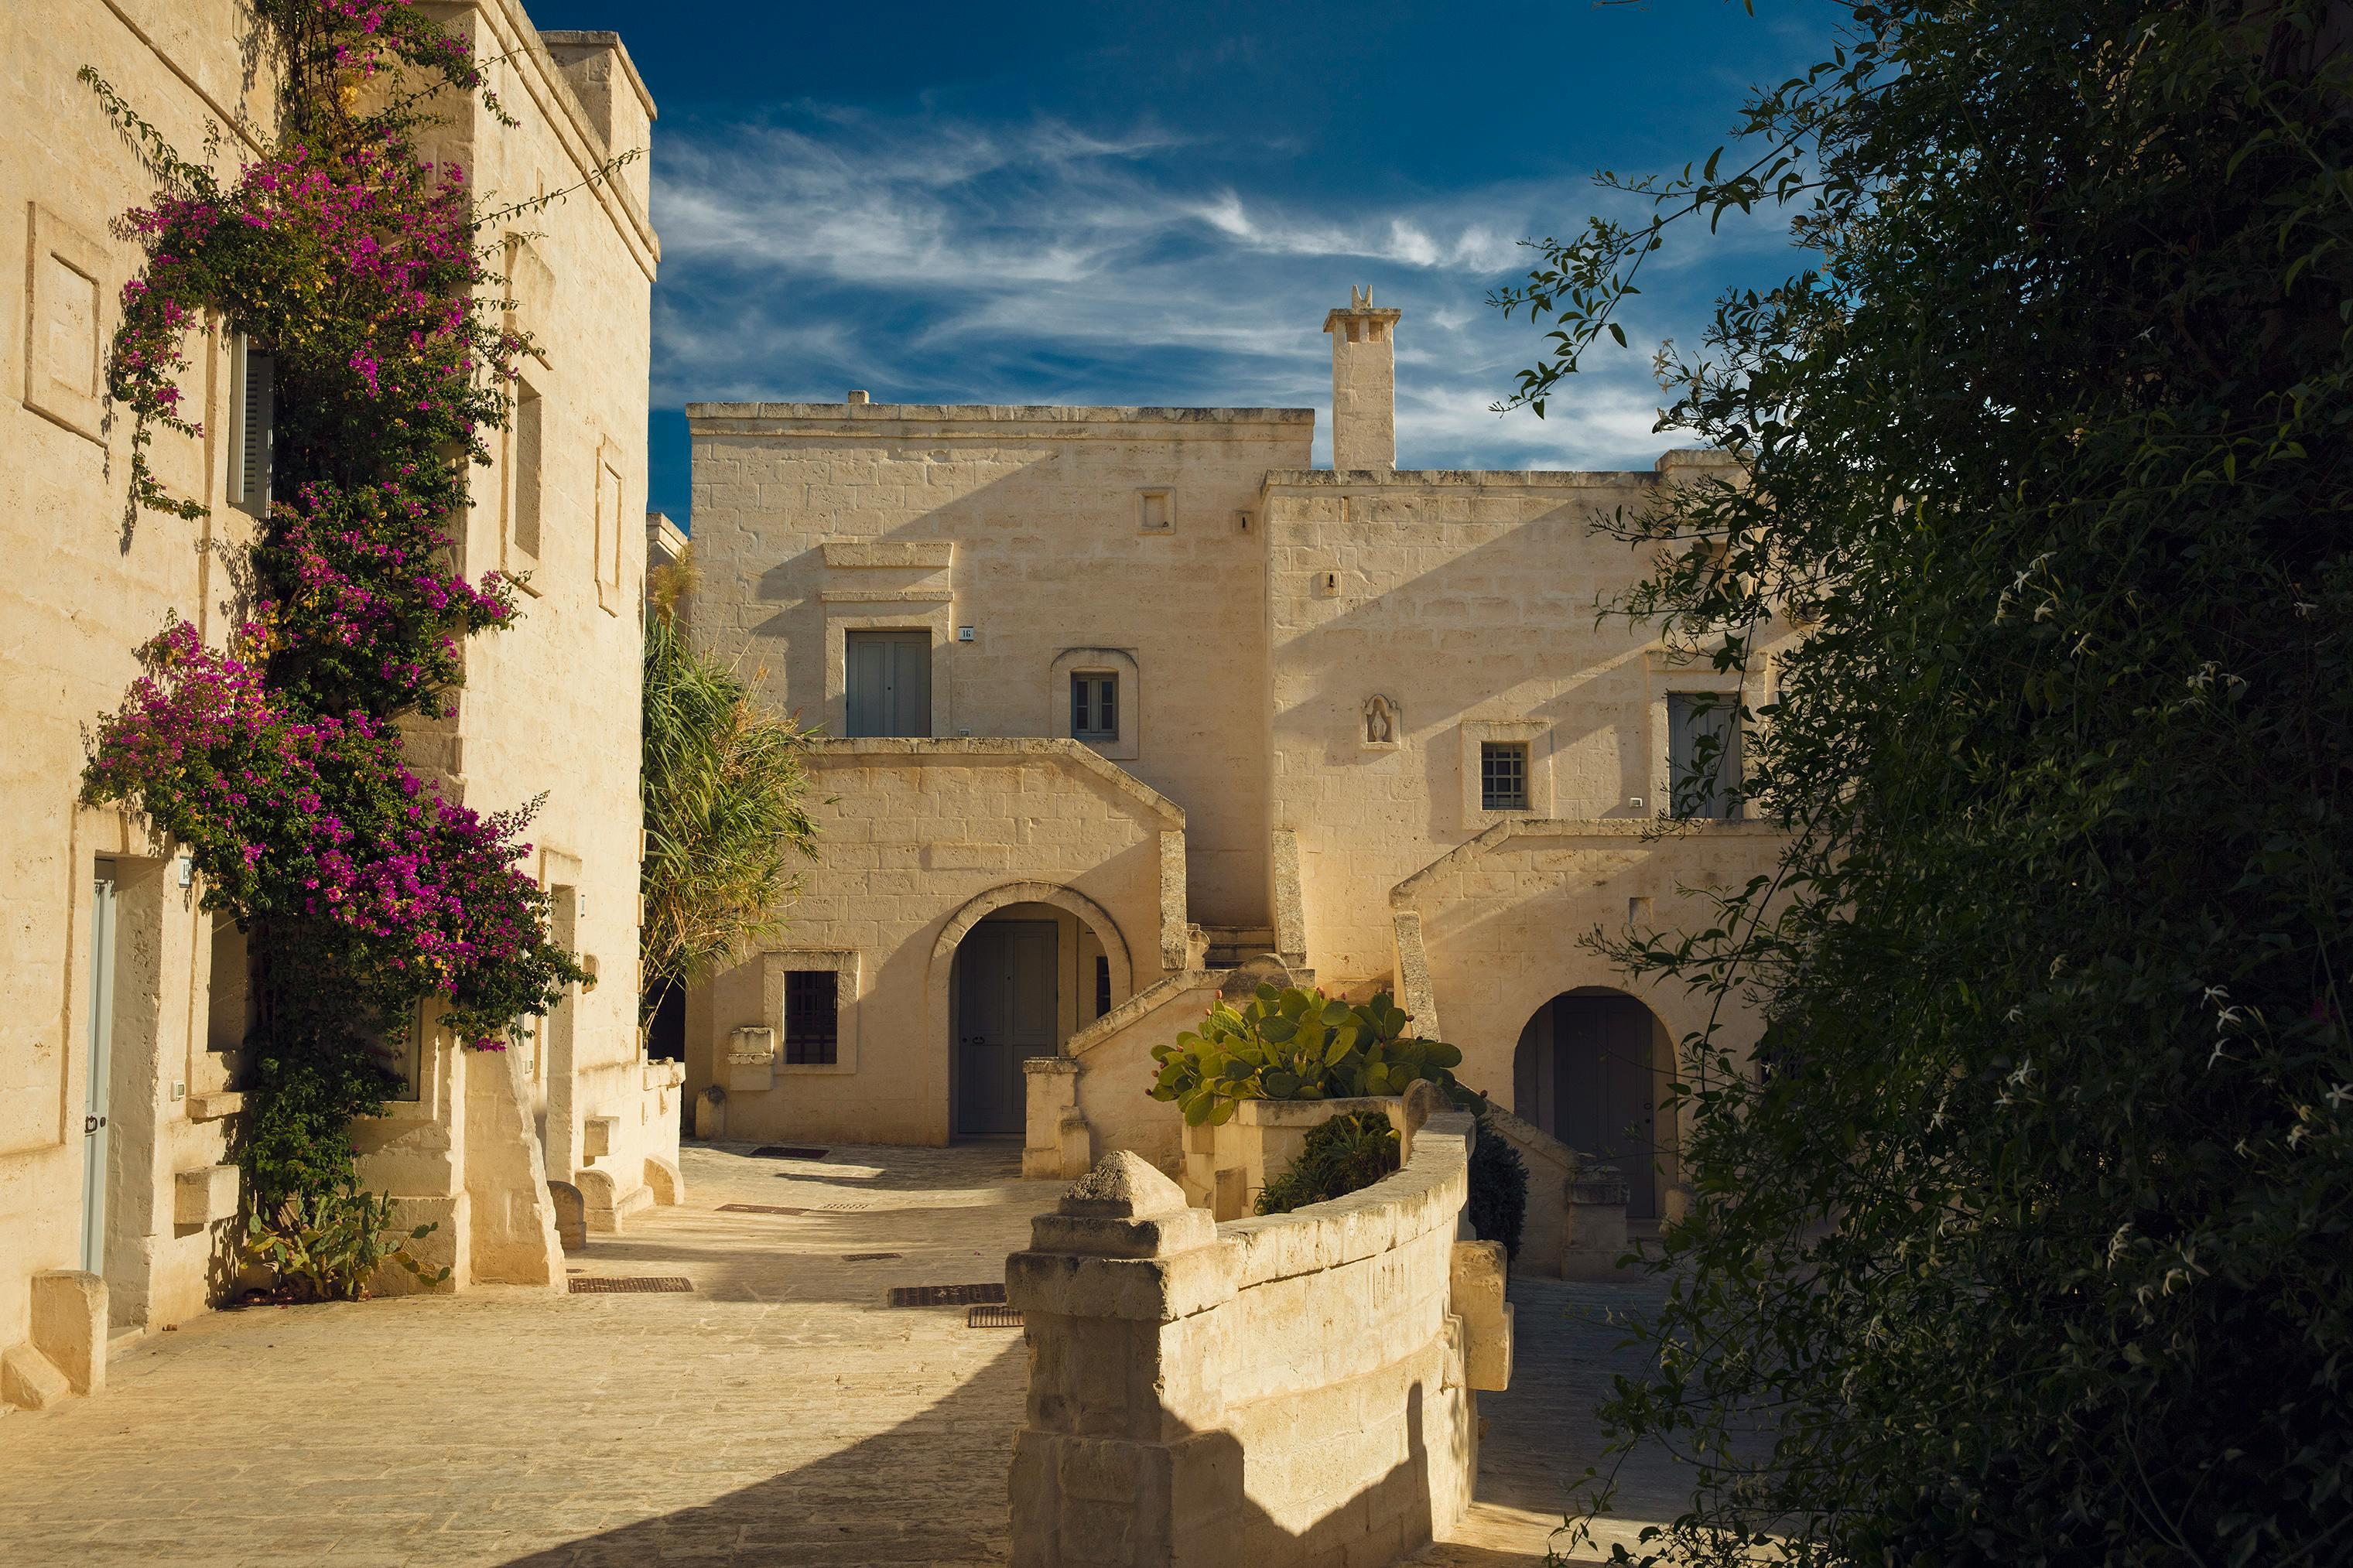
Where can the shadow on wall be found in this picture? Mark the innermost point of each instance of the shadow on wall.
(933, 1490)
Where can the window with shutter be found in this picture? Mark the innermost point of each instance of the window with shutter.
(529, 444)
(1094, 707)
(253, 411)
(887, 683)
(1703, 752)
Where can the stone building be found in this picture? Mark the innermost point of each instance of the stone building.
(123, 1005)
(1115, 699)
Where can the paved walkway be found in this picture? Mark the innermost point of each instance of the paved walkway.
(779, 1414)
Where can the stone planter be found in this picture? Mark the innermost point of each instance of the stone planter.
(1225, 1167)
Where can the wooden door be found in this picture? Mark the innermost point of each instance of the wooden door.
(1607, 1089)
(1006, 1013)
(887, 683)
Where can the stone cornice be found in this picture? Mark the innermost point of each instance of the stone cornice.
(923, 752)
(1596, 830)
(992, 420)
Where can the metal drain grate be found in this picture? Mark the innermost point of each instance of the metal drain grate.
(867, 1256)
(991, 1318)
(787, 1151)
(758, 1209)
(842, 1209)
(632, 1285)
(990, 1295)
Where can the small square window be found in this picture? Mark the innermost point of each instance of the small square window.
(1504, 775)
(1094, 707)
(812, 1017)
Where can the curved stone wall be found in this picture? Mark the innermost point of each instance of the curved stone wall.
(1296, 1389)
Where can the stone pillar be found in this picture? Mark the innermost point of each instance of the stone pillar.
(1118, 1459)
(1364, 384)
(512, 1237)
(1596, 1224)
(69, 1326)
(1056, 1141)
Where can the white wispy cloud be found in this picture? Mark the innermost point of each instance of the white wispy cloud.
(926, 257)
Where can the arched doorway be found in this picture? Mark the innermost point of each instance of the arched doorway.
(1591, 1069)
(1022, 969)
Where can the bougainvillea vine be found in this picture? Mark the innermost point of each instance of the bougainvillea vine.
(274, 762)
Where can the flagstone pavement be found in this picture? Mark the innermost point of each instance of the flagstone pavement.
(777, 1413)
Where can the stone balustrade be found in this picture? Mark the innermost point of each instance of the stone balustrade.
(1296, 1389)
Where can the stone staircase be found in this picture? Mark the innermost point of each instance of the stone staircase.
(1231, 947)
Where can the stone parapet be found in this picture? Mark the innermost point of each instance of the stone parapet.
(1055, 1141)
(1290, 1390)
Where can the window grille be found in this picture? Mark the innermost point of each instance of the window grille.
(1503, 776)
(812, 1017)
(1103, 985)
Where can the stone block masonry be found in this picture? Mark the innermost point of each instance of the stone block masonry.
(1292, 1390)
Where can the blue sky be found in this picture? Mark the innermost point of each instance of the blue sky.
(1156, 203)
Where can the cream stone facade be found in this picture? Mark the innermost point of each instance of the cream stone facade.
(122, 1004)
(1396, 742)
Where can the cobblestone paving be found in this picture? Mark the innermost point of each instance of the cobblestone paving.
(779, 1414)
(1540, 1439)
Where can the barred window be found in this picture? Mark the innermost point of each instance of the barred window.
(1103, 985)
(1504, 775)
(812, 1017)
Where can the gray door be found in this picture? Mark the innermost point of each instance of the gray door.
(1605, 1089)
(1006, 1006)
(888, 683)
(101, 1069)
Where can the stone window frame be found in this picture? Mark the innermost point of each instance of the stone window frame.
(1676, 676)
(1530, 732)
(1168, 494)
(850, 610)
(612, 535)
(1114, 661)
(845, 965)
(53, 239)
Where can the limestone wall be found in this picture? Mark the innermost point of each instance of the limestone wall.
(919, 840)
(1291, 1390)
(84, 589)
(550, 706)
(1468, 603)
(1500, 922)
(1037, 528)
(1114, 1070)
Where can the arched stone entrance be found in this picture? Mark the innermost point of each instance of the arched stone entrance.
(1015, 972)
(1591, 1068)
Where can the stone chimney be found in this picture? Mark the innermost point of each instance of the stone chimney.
(1364, 384)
